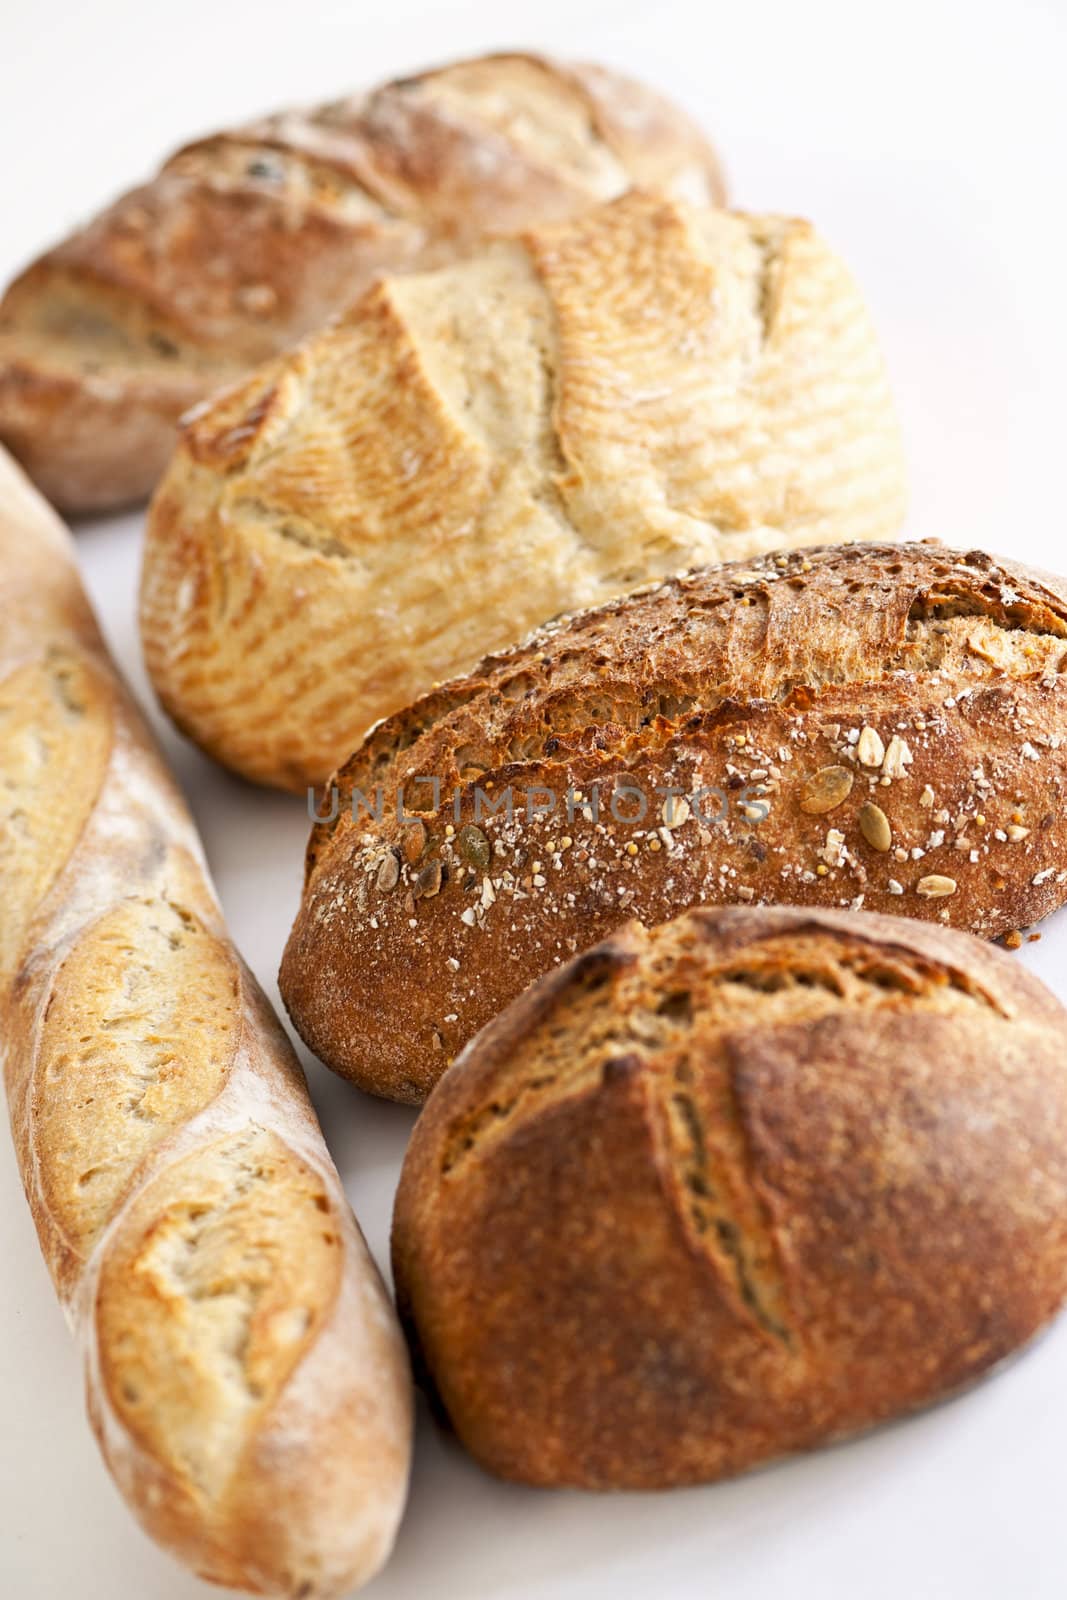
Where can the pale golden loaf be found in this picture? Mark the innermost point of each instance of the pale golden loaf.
(734, 1187)
(244, 1371)
(247, 240)
(469, 452)
(875, 726)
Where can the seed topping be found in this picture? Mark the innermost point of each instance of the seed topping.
(874, 825)
(825, 790)
(935, 886)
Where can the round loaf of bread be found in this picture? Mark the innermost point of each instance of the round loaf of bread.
(875, 727)
(469, 452)
(246, 240)
(734, 1187)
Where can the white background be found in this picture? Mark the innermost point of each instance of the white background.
(928, 140)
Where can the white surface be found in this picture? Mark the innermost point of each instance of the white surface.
(928, 141)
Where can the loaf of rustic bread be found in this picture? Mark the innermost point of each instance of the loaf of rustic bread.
(877, 726)
(245, 1374)
(734, 1187)
(246, 241)
(471, 451)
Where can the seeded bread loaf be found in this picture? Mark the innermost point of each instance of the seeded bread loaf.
(732, 1188)
(865, 726)
(471, 451)
(247, 240)
(245, 1375)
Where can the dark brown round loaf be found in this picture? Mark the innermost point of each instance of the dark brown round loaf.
(871, 726)
(731, 1188)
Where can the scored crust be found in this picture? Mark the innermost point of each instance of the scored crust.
(469, 452)
(244, 1372)
(248, 239)
(730, 1188)
(900, 710)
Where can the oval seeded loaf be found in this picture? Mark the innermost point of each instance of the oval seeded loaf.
(876, 726)
(468, 452)
(732, 1188)
(247, 240)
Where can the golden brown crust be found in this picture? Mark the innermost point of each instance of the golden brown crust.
(732, 1188)
(247, 240)
(900, 710)
(244, 1371)
(468, 452)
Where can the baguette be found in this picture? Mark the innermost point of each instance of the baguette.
(471, 451)
(867, 726)
(247, 240)
(245, 1375)
(734, 1187)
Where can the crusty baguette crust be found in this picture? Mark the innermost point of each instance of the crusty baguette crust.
(756, 680)
(471, 451)
(245, 1374)
(247, 240)
(734, 1187)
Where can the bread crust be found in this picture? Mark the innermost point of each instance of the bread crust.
(245, 1375)
(248, 239)
(901, 710)
(732, 1188)
(469, 452)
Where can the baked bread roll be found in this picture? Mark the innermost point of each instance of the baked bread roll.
(867, 726)
(469, 452)
(247, 240)
(733, 1188)
(246, 1377)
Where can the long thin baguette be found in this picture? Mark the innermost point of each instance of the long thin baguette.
(246, 1377)
(247, 240)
